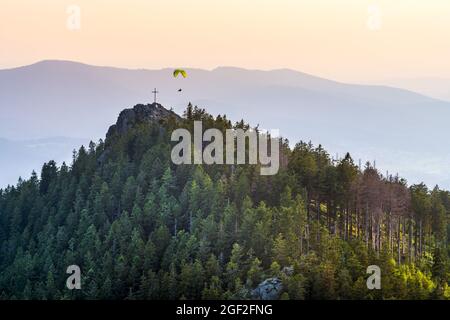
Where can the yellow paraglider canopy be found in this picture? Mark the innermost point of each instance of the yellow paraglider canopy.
(179, 71)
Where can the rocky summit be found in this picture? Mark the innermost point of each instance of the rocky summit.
(140, 113)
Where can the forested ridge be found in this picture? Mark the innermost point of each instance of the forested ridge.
(141, 227)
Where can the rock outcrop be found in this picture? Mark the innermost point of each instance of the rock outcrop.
(140, 113)
(269, 289)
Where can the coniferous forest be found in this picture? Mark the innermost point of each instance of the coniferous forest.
(141, 227)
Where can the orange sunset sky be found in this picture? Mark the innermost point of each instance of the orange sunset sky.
(348, 40)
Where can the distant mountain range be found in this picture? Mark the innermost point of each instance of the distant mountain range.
(402, 130)
(431, 86)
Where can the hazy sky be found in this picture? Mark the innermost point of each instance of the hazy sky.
(349, 40)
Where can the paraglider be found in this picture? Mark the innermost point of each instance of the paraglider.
(179, 71)
(176, 72)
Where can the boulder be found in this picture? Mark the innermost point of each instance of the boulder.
(269, 289)
(288, 271)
